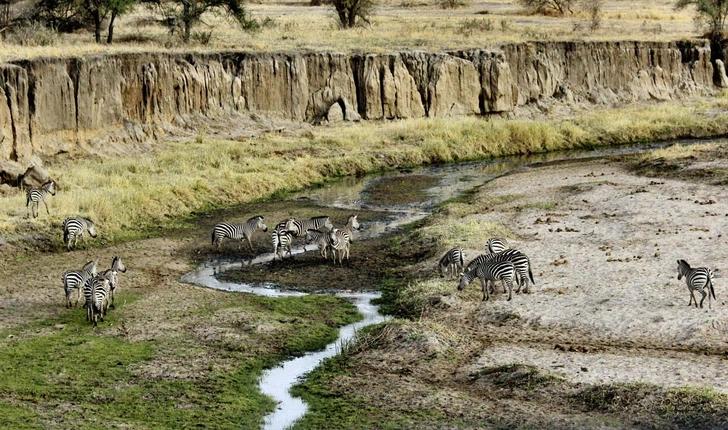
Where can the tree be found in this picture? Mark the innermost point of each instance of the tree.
(549, 7)
(351, 11)
(70, 15)
(188, 13)
(117, 8)
(712, 13)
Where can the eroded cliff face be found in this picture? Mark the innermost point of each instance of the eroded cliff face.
(53, 105)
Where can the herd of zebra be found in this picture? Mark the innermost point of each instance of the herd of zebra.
(317, 230)
(99, 288)
(499, 264)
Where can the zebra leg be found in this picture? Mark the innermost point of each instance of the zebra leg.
(703, 299)
(692, 298)
(46, 206)
(510, 288)
(484, 284)
(250, 243)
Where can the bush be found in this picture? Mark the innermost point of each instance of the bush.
(549, 7)
(32, 33)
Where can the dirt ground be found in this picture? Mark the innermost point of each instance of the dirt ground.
(606, 306)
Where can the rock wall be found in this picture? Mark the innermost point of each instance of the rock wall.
(51, 105)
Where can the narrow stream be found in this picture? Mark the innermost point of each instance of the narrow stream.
(350, 193)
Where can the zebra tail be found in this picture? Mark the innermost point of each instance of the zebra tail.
(712, 291)
(530, 275)
(213, 237)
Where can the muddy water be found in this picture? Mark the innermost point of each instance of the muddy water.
(356, 194)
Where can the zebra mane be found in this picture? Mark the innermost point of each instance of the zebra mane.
(320, 217)
(257, 216)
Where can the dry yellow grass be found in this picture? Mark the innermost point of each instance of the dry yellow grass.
(395, 25)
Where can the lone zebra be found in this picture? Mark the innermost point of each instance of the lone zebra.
(36, 195)
(696, 279)
(495, 245)
(341, 238)
(452, 262)
(74, 227)
(489, 271)
(242, 232)
(75, 280)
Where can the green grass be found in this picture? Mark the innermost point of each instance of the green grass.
(62, 371)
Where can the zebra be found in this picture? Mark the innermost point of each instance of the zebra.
(489, 271)
(282, 240)
(37, 195)
(519, 260)
(452, 262)
(696, 279)
(74, 227)
(495, 245)
(97, 297)
(321, 239)
(75, 280)
(299, 228)
(116, 266)
(240, 232)
(341, 238)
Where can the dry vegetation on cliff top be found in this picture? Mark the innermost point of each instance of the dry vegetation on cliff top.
(395, 25)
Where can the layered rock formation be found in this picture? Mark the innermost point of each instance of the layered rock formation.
(52, 105)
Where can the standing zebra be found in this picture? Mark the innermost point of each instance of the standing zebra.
(75, 280)
(299, 227)
(97, 297)
(495, 245)
(240, 232)
(116, 266)
(282, 239)
(341, 238)
(74, 227)
(489, 271)
(452, 262)
(321, 239)
(696, 279)
(37, 195)
(519, 260)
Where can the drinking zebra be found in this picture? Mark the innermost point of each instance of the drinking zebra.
(495, 245)
(240, 232)
(321, 239)
(74, 227)
(519, 260)
(696, 279)
(341, 238)
(75, 280)
(299, 227)
(282, 240)
(37, 195)
(452, 262)
(490, 271)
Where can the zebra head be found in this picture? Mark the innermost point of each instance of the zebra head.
(311, 235)
(291, 225)
(353, 222)
(117, 265)
(91, 227)
(465, 278)
(328, 224)
(90, 267)
(682, 268)
(50, 187)
(260, 222)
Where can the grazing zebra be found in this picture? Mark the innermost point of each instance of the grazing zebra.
(321, 239)
(300, 227)
(452, 262)
(495, 245)
(37, 195)
(282, 240)
(341, 238)
(75, 280)
(74, 227)
(240, 232)
(519, 260)
(490, 271)
(696, 279)
(116, 266)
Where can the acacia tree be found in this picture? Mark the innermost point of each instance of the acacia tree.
(350, 12)
(187, 13)
(712, 13)
(546, 7)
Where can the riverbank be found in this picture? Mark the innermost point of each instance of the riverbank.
(604, 338)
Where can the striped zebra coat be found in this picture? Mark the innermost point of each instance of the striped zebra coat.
(299, 227)
(36, 195)
(342, 238)
(495, 245)
(282, 241)
(73, 227)
(97, 297)
(489, 271)
(242, 232)
(116, 266)
(699, 278)
(74, 280)
(519, 260)
(452, 262)
(321, 239)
